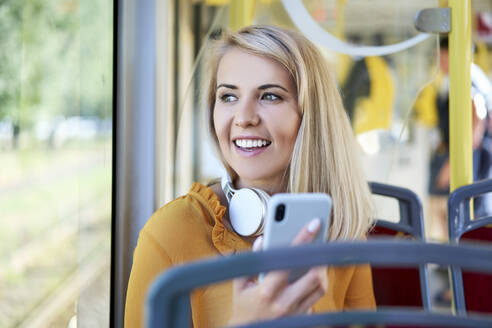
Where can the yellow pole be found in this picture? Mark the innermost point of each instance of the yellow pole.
(460, 107)
(240, 13)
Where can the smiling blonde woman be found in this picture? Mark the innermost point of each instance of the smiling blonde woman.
(276, 116)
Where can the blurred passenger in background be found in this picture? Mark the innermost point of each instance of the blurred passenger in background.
(481, 138)
(277, 119)
(369, 91)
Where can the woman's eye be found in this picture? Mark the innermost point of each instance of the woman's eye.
(270, 97)
(228, 98)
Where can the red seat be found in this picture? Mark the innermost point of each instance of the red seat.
(471, 291)
(396, 286)
(399, 286)
(478, 286)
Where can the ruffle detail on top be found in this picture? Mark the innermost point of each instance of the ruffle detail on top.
(211, 199)
(226, 241)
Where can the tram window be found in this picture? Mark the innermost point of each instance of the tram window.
(55, 154)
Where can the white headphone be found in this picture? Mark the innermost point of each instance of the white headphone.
(247, 208)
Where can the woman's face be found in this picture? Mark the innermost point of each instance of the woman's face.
(256, 118)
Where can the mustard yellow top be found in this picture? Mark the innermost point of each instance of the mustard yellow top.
(191, 228)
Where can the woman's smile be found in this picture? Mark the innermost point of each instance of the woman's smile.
(250, 145)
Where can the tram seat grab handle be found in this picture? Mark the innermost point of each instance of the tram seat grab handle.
(168, 302)
(472, 190)
(459, 220)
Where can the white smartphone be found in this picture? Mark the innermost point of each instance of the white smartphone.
(287, 214)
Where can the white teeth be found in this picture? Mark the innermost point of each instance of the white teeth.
(249, 143)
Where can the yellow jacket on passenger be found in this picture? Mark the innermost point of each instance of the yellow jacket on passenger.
(190, 228)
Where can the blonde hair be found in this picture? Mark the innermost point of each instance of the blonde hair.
(324, 157)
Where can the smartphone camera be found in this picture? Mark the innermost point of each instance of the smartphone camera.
(280, 212)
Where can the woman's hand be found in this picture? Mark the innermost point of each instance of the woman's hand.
(274, 297)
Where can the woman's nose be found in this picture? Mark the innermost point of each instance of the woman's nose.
(246, 114)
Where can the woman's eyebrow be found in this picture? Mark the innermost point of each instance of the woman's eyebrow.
(268, 86)
(229, 86)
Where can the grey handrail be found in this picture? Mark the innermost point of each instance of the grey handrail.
(168, 299)
(393, 316)
(459, 208)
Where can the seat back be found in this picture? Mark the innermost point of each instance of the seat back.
(401, 286)
(471, 291)
(168, 303)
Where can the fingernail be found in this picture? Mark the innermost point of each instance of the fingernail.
(314, 225)
(257, 243)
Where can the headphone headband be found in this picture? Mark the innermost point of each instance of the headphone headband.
(227, 188)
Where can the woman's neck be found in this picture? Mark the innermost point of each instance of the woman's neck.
(270, 186)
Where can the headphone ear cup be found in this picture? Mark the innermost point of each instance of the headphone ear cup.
(247, 211)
